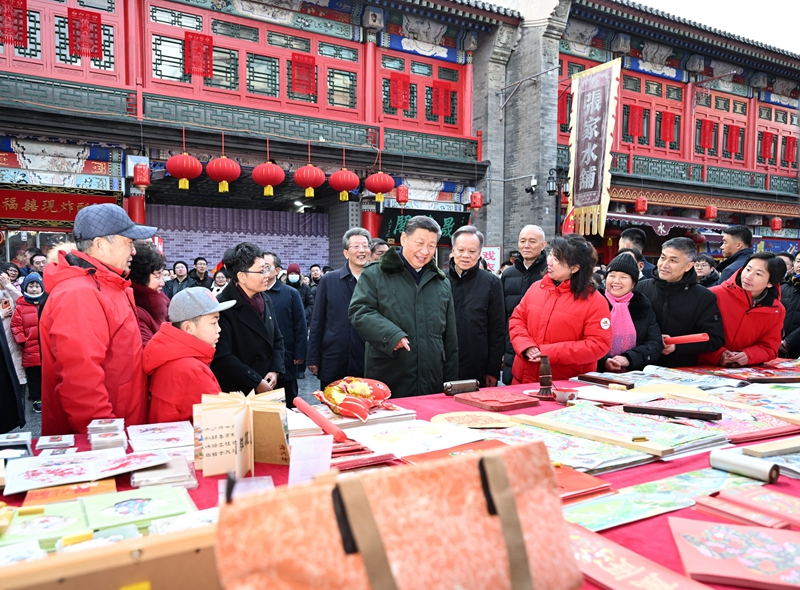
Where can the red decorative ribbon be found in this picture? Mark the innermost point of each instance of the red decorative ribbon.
(85, 33)
(636, 121)
(732, 146)
(303, 67)
(707, 134)
(198, 55)
(399, 90)
(667, 127)
(14, 23)
(441, 99)
(766, 144)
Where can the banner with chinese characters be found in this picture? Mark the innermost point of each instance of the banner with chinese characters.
(493, 255)
(594, 109)
(393, 223)
(22, 206)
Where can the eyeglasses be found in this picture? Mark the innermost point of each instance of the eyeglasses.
(358, 247)
(264, 271)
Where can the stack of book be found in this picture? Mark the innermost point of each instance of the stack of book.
(177, 472)
(107, 433)
(55, 442)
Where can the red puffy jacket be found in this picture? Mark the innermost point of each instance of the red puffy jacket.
(91, 347)
(178, 363)
(574, 333)
(25, 328)
(756, 331)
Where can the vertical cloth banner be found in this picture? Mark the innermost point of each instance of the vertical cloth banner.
(198, 55)
(595, 93)
(399, 89)
(14, 23)
(791, 149)
(563, 105)
(303, 69)
(766, 144)
(667, 127)
(441, 99)
(733, 139)
(707, 134)
(636, 121)
(85, 33)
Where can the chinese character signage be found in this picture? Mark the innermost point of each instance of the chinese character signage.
(593, 112)
(55, 209)
(393, 223)
(493, 255)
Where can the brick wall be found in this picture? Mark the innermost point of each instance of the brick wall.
(189, 232)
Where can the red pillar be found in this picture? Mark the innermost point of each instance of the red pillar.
(371, 222)
(467, 93)
(136, 209)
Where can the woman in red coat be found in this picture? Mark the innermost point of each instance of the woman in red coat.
(147, 283)
(752, 314)
(562, 316)
(25, 328)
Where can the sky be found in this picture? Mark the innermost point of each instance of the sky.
(773, 22)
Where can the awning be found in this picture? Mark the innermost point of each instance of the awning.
(662, 225)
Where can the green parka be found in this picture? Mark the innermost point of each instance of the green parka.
(388, 305)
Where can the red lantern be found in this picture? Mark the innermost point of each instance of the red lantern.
(268, 175)
(776, 224)
(223, 170)
(696, 237)
(185, 168)
(711, 212)
(309, 177)
(343, 181)
(141, 176)
(401, 196)
(379, 183)
(641, 205)
(476, 200)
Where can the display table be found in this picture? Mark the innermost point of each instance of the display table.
(650, 538)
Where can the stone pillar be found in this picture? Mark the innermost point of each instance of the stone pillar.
(341, 217)
(531, 121)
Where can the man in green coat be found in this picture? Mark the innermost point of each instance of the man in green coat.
(403, 307)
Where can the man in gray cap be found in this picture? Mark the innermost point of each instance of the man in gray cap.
(90, 340)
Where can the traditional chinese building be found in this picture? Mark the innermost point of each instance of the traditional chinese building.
(706, 126)
(91, 88)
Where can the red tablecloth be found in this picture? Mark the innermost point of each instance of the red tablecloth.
(650, 538)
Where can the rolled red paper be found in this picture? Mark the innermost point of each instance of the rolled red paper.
(688, 339)
(320, 420)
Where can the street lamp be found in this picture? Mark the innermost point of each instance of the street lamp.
(558, 184)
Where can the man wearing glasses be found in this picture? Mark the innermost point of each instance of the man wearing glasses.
(250, 351)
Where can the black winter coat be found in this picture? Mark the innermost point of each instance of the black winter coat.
(334, 345)
(684, 308)
(480, 322)
(516, 281)
(307, 298)
(728, 267)
(194, 281)
(710, 280)
(173, 286)
(12, 404)
(648, 336)
(790, 297)
(248, 346)
(292, 324)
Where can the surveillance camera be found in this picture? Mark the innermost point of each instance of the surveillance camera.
(530, 189)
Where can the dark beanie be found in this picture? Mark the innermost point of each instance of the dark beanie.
(624, 263)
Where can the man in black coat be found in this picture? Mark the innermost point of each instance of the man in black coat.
(249, 353)
(199, 275)
(635, 238)
(480, 312)
(529, 267)
(292, 323)
(335, 348)
(790, 298)
(682, 306)
(737, 241)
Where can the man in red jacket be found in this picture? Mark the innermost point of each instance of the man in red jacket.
(91, 346)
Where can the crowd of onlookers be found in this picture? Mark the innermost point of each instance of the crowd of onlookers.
(104, 329)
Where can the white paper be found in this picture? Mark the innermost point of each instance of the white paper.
(604, 395)
(163, 441)
(54, 442)
(161, 429)
(309, 456)
(56, 452)
(412, 437)
(734, 461)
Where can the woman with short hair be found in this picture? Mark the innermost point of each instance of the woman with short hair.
(752, 314)
(562, 316)
(147, 283)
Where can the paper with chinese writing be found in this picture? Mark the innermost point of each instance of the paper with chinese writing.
(310, 456)
(651, 499)
(227, 441)
(412, 437)
(753, 557)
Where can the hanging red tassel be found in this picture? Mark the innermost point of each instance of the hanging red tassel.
(399, 88)
(563, 106)
(635, 121)
(198, 55)
(85, 33)
(303, 69)
(14, 23)
(733, 139)
(667, 127)
(441, 99)
(766, 145)
(707, 134)
(791, 149)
